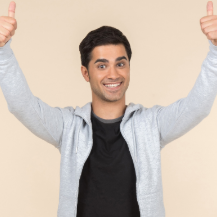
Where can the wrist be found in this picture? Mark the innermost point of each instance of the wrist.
(214, 41)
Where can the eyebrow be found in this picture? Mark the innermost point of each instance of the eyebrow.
(105, 60)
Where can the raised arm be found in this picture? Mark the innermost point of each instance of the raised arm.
(41, 119)
(181, 116)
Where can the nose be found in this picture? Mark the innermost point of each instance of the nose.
(113, 73)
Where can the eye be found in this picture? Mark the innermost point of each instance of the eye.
(121, 63)
(100, 66)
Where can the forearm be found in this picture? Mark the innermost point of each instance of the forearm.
(201, 98)
(41, 119)
(12, 81)
(181, 116)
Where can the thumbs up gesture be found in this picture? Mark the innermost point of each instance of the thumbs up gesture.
(209, 24)
(8, 25)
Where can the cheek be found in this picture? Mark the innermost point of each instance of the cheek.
(96, 80)
(99, 78)
(127, 79)
(126, 75)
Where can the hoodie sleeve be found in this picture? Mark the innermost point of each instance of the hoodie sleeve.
(44, 121)
(184, 114)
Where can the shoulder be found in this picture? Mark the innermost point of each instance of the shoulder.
(147, 114)
(68, 115)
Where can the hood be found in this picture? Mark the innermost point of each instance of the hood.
(85, 111)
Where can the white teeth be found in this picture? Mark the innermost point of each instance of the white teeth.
(112, 85)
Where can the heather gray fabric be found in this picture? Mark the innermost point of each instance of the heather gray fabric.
(146, 130)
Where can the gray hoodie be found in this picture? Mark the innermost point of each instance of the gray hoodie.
(146, 130)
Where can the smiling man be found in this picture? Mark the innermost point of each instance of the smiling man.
(110, 151)
(105, 55)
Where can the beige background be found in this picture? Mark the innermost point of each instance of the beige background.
(168, 50)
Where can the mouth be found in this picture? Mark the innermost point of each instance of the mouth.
(112, 87)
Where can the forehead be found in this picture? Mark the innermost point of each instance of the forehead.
(110, 51)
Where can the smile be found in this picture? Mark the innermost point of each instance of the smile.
(115, 86)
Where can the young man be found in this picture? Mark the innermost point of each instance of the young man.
(110, 152)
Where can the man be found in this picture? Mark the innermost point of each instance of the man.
(110, 152)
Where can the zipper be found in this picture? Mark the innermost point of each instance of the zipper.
(76, 200)
(135, 151)
(134, 141)
(137, 166)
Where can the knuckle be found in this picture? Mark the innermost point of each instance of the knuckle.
(11, 28)
(205, 31)
(202, 19)
(8, 33)
(13, 21)
(2, 38)
(15, 25)
(12, 33)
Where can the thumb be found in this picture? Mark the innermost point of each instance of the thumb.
(11, 9)
(209, 8)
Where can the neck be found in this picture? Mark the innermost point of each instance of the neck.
(108, 110)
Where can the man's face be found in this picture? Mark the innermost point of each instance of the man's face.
(109, 65)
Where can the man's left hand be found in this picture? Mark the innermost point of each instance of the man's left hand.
(209, 24)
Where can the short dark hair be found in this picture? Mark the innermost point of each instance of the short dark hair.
(104, 35)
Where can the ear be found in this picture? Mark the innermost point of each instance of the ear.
(85, 73)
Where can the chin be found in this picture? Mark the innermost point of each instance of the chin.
(112, 99)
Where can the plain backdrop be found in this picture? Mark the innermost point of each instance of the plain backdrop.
(168, 48)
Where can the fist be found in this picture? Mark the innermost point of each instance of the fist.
(8, 25)
(209, 24)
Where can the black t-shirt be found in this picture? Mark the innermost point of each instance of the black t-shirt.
(107, 187)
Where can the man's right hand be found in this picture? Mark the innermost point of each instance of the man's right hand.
(8, 25)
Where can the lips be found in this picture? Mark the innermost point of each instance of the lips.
(113, 88)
